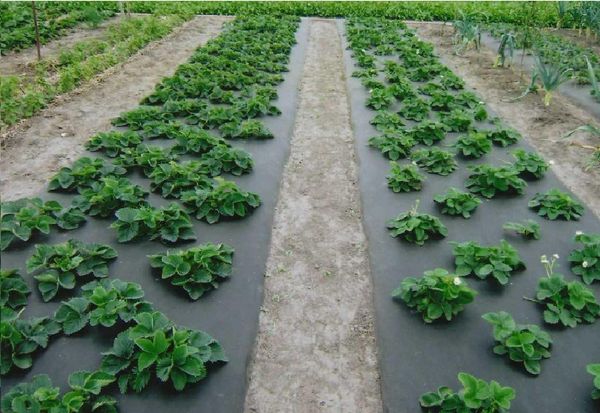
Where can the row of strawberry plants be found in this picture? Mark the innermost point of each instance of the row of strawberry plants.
(227, 85)
(432, 103)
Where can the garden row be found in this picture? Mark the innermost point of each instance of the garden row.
(219, 94)
(17, 29)
(420, 104)
(25, 95)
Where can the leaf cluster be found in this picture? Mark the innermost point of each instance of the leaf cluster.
(435, 161)
(404, 178)
(585, 261)
(82, 174)
(555, 204)
(498, 261)
(455, 202)
(473, 145)
(529, 164)
(416, 227)
(490, 181)
(528, 229)
(109, 194)
(13, 289)
(393, 145)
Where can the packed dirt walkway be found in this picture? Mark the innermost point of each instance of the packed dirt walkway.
(316, 347)
(34, 150)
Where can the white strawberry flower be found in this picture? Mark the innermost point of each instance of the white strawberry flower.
(457, 281)
(585, 264)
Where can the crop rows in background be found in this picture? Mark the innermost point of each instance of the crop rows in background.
(430, 127)
(219, 94)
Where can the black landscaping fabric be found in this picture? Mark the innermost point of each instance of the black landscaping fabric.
(229, 314)
(415, 358)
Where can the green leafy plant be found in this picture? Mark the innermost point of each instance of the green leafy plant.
(174, 178)
(528, 229)
(393, 145)
(197, 270)
(456, 120)
(168, 224)
(105, 196)
(113, 143)
(246, 129)
(13, 289)
(585, 262)
(196, 141)
(549, 76)
(476, 396)
(567, 303)
(415, 227)
(530, 164)
(508, 44)
(385, 121)
(380, 98)
(497, 261)
(415, 109)
(527, 344)
(21, 338)
(555, 204)
(435, 295)
(146, 157)
(594, 370)
(58, 265)
(455, 202)
(103, 302)
(136, 118)
(225, 199)
(427, 132)
(503, 136)
(41, 396)
(82, 174)
(490, 181)
(435, 161)
(473, 145)
(224, 159)
(23, 218)
(404, 178)
(154, 346)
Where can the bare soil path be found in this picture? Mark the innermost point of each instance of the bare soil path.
(35, 149)
(542, 126)
(16, 63)
(315, 349)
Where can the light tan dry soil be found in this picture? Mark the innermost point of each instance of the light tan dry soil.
(36, 148)
(315, 349)
(542, 126)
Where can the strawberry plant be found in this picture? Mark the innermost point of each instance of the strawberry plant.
(82, 174)
(224, 159)
(427, 132)
(40, 396)
(112, 143)
(225, 199)
(404, 178)
(529, 164)
(246, 129)
(456, 120)
(196, 142)
(527, 344)
(528, 229)
(25, 217)
(103, 302)
(503, 136)
(585, 262)
(435, 161)
(168, 224)
(197, 270)
(490, 181)
(108, 194)
(60, 264)
(385, 121)
(450, 81)
(555, 204)
(164, 130)
(136, 118)
(497, 261)
(416, 227)
(21, 338)
(435, 295)
(153, 346)
(146, 157)
(174, 178)
(393, 145)
(441, 100)
(380, 98)
(594, 370)
(473, 145)
(415, 109)
(476, 396)
(455, 202)
(13, 290)
(566, 303)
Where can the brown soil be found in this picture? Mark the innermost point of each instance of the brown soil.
(315, 349)
(36, 148)
(18, 63)
(542, 126)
